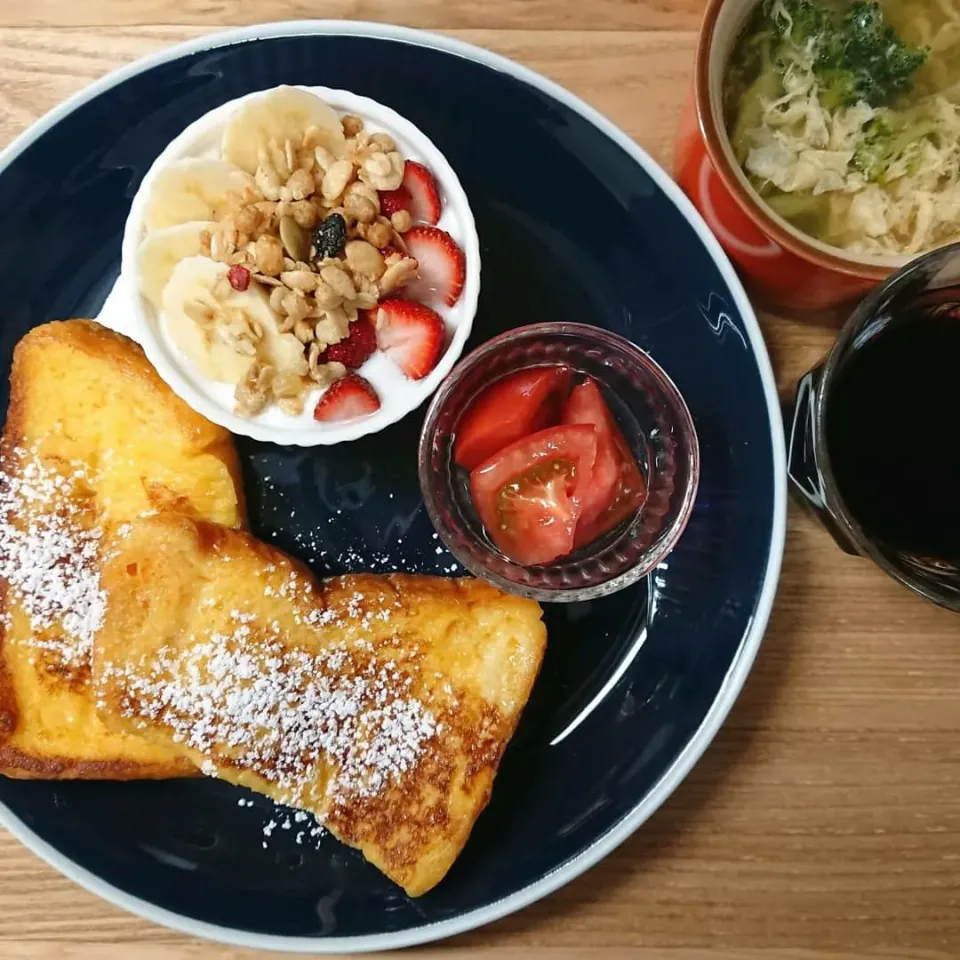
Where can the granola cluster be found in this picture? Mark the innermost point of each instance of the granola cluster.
(311, 233)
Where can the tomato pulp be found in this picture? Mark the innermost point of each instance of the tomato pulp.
(529, 494)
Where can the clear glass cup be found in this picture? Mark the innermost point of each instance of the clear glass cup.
(654, 420)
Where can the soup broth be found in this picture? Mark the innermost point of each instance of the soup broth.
(845, 117)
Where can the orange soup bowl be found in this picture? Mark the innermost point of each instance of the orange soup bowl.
(782, 266)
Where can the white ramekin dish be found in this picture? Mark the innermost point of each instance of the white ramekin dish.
(398, 394)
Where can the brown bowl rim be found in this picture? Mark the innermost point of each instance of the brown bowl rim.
(755, 209)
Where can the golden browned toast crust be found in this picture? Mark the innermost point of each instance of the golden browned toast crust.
(381, 704)
(47, 364)
(129, 363)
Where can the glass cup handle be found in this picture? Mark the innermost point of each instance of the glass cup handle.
(803, 474)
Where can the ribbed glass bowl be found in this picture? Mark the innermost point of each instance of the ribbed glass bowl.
(654, 420)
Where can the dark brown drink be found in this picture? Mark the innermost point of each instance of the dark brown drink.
(893, 435)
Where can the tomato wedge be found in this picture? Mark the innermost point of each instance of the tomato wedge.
(528, 495)
(513, 407)
(617, 488)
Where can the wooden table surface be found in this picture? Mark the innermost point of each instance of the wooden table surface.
(824, 821)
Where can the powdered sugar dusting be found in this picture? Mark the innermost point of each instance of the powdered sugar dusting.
(292, 717)
(49, 554)
(302, 825)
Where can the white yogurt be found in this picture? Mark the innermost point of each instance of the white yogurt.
(398, 394)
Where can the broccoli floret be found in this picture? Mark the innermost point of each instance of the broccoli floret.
(799, 21)
(873, 153)
(856, 54)
(863, 58)
(883, 140)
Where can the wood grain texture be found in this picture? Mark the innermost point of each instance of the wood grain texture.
(44, 949)
(639, 80)
(426, 14)
(823, 823)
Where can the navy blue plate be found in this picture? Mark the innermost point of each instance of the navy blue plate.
(634, 685)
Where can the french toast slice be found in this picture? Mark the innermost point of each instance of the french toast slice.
(380, 704)
(93, 439)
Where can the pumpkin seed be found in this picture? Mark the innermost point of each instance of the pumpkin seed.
(295, 239)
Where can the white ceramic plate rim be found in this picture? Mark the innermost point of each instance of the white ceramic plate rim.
(414, 393)
(733, 682)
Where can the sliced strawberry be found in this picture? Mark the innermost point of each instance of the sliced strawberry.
(422, 189)
(411, 335)
(346, 399)
(442, 266)
(393, 200)
(355, 350)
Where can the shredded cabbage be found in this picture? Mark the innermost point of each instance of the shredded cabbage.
(889, 176)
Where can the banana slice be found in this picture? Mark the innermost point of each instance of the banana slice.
(276, 116)
(194, 189)
(198, 305)
(162, 250)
